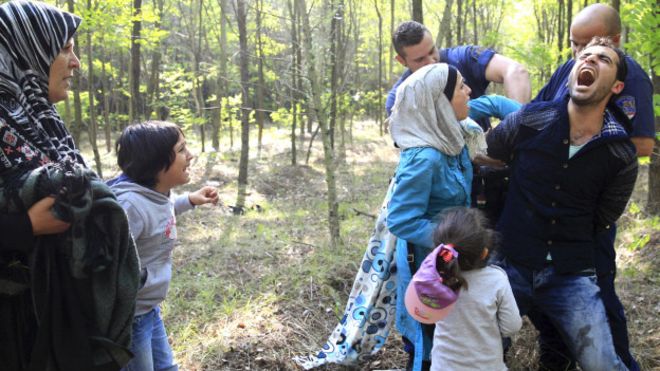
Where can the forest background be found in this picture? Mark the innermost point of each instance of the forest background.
(283, 102)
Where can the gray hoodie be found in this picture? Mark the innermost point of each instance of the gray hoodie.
(151, 218)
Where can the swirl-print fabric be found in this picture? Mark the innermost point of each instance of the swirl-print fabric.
(370, 310)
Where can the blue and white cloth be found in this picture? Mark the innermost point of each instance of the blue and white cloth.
(371, 306)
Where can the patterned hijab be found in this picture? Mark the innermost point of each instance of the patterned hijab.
(31, 131)
(423, 116)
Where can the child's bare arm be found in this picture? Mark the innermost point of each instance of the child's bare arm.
(204, 195)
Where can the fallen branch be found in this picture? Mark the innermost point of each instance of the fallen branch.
(358, 212)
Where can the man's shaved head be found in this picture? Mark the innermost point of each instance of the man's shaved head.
(594, 20)
(601, 14)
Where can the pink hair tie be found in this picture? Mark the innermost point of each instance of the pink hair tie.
(447, 252)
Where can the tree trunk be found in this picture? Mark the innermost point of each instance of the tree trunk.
(459, 22)
(260, 84)
(569, 19)
(616, 4)
(134, 77)
(317, 90)
(335, 36)
(560, 29)
(390, 74)
(300, 88)
(294, 85)
(198, 80)
(222, 75)
(76, 126)
(105, 85)
(380, 68)
(475, 36)
(118, 97)
(653, 204)
(241, 18)
(417, 11)
(445, 30)
(153, 87)
(91, 128)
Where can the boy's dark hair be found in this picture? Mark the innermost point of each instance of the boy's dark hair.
(622, 66)
(467, 230)
(143, 150)
(408, 33)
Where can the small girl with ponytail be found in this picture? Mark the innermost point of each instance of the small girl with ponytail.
(470, 336)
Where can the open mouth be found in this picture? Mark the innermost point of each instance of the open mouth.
(586, 77)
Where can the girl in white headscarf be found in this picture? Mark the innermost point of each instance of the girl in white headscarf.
(430, 124)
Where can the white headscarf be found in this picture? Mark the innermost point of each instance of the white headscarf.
(423, 116)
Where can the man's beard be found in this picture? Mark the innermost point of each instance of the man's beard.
(595, 98)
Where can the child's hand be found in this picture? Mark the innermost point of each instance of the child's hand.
(204, 195)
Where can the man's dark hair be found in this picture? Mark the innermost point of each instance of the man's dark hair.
(621, 67)
(408, 33)
(143, 150)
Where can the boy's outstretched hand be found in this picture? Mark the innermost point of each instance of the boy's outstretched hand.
(204, 195)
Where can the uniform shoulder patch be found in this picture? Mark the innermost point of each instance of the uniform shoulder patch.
(627, 105)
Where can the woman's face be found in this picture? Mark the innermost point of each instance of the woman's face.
(61, 72)
(460, 99)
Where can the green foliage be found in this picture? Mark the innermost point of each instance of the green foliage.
(644, 20)
(282, 117)
(231, 113)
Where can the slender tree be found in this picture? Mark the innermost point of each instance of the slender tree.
(153, 84)
(380, 67)
(91, 127)
(390, 72)
(653, 199)
(569, 19)
(475, 36)
(561, 22)
(317, 106)
(417, 11)
(241, 18)
(445, 30)
(259, 89)
(76, 126)
(459, 22)
(105, 92)
(294, 78)
(134, 76)
(335, 66)
(222, 80)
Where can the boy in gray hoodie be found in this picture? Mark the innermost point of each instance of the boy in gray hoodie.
(154, 159)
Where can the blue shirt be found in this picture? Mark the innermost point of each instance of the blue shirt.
(636, 99)
(470, 60)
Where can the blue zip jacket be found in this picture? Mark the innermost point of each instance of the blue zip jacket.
(427, 182)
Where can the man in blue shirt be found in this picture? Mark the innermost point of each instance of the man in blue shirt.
(636, 101)
(479, 67)
(573, 169)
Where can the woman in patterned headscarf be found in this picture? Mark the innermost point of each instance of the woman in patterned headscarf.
(36, 65)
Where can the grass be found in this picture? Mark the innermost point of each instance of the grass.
(252, 291)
